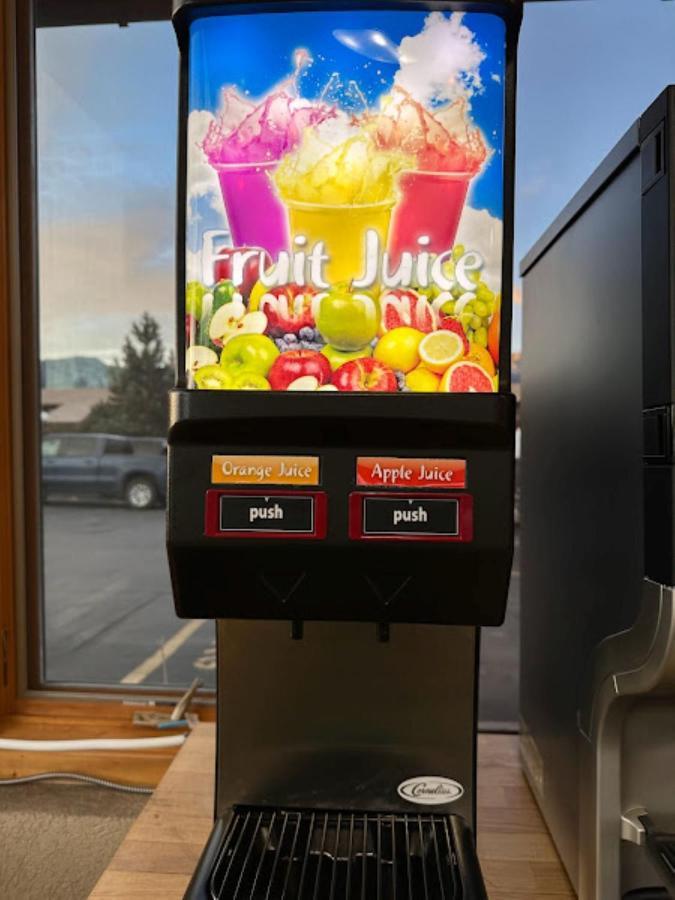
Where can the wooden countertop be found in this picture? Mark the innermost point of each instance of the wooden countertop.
(160, 852)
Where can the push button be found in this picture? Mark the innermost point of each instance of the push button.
(392, 515)
(256, 513)
(261, 514)
(411, 517)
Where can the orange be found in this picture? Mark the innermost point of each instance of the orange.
(481, 356)
(466, 378)
(493, 337)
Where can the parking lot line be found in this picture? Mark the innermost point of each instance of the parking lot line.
(168, 648)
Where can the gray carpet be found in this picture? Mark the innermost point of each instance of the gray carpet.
(56, 839)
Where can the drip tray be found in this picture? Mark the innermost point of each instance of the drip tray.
(280, 854)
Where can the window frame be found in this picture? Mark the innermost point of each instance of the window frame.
(8, 573)
(21, 558)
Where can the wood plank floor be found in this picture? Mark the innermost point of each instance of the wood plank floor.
(160, 852)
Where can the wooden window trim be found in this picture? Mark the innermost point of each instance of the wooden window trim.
(8, 687)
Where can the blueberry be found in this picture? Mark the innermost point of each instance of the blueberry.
(307, 333)
(291, 338)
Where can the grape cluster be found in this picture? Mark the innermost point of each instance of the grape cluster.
(474, 309)
(307, 339)
(401, 382)
(475, 313)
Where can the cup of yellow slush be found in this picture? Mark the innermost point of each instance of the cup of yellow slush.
(336, 194)
(343, 229)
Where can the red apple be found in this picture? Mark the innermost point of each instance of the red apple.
(288, 308)
(191, 329)
(365, 374)
(222, 267)
(294, 364)
(447, 323)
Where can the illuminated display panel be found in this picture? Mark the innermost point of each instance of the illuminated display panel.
(345, 201)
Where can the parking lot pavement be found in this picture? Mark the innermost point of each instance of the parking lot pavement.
(109, 614)
(108, 603)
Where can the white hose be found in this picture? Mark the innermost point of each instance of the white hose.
(175, 740)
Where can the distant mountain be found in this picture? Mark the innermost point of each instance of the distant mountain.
(74, 372)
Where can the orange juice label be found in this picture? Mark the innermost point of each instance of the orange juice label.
(265, 470)
(384, 471)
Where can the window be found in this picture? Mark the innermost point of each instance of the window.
(148, 446)
(104, 203)
(78, 446)
(116, 448)
(105, 122)
(51, 446)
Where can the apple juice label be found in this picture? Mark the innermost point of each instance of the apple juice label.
(345, 201)
(387, 471)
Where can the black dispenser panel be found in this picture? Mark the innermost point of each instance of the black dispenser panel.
(340, 543)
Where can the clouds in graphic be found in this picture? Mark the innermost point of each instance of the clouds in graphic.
(193, 265)
(442, 62)
(202, 178)
(480, 231)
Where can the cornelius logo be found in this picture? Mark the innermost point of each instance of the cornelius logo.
(430, 790)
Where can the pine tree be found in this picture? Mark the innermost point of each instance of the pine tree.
(139, 386)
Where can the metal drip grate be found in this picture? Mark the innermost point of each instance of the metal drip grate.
(273, 854)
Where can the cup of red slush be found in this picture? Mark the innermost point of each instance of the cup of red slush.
(429, 204)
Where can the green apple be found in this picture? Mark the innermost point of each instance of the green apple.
(337, 357)
(348, 321)
(250, 352)
(194, 291)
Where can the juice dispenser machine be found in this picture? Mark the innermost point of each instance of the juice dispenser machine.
(341, 440)
(598, 579)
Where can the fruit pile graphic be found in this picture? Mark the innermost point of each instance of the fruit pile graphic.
(297, 338)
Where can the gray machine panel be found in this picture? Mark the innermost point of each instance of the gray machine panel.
(373, 715)
(582, 494)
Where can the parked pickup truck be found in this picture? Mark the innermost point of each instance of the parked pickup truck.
(127, 468)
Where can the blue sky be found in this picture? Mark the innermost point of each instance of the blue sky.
(107, 137)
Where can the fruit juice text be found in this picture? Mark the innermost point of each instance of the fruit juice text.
(344, 221)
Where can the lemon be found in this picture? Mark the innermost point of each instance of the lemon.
(422, 380)
(440, 349)
(398, 348)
